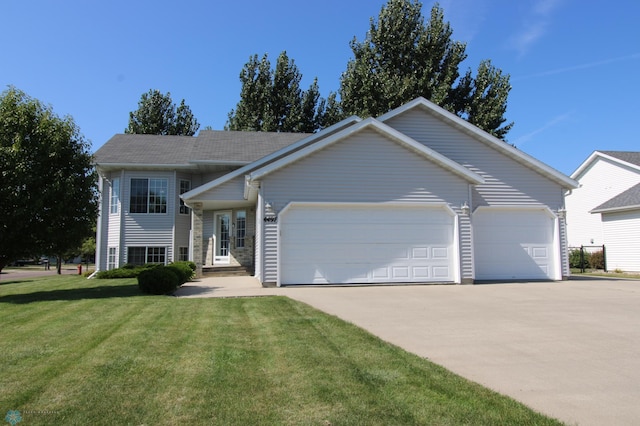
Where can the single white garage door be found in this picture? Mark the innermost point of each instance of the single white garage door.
(325, 244)
(514, 244)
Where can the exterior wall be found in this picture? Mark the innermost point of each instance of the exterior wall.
(622, 236)
(182, 221)
(507, 182)
(103, 227)
(600, 182)
(366, 167)
(228, 191)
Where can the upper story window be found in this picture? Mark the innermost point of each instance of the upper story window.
(241, 228)
(115, 195)
(148, 195)
(185, 186)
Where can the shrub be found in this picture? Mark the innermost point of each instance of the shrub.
(182, 270)
(158, 280)
(574, 259)
(596, 260)
(128, 270)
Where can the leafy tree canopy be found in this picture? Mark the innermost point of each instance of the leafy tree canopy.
(47, 181)
(271, 100)
(402, 58)
(158, 115)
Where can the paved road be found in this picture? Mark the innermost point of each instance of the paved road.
(568, 349)
(19, 273)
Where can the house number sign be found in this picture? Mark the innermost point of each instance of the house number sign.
(271, 219)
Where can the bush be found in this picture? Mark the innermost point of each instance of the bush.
(182, 270)
(159, 280)
(128, 270)
(596, 260)
(574, 259)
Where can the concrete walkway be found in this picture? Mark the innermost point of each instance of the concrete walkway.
(568, 349)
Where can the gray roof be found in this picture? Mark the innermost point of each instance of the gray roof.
(209, 146)
(632, 157)
(627, 200)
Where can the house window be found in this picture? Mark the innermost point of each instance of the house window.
(241, 228)
(183, 254)
(115, 195)
(142, 255)
(148, 196)
(112, 260)
(185, 186)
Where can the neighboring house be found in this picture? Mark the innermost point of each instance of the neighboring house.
(602, 176)
(416, 195)
(621, 228)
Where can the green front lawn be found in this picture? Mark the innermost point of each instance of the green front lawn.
(82, 352)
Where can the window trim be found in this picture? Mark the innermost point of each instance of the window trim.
(183, 254)
(112, 258)
(114, 197)
(147, 253)
(182, 207)
(151, 200)
(241, 241)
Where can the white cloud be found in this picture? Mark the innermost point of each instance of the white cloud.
(535, 25)
(551, 123)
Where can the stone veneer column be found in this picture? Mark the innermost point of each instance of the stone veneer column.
(197, 215)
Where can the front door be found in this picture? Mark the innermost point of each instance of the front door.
(222, 229)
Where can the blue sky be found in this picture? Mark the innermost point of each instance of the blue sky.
(574, 64)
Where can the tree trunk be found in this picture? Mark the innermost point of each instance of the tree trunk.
(59, 264)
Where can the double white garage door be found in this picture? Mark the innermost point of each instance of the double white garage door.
(323, 244)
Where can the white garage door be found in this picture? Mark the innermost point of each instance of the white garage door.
(514, 244)
(324, 244)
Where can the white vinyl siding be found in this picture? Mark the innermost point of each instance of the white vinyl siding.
(507, 181)
(622, 236)
(185, 186)
(600, 182)
(150, 230)
(366, 167)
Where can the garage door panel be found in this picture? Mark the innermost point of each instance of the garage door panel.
(365, 245)
(513, 244)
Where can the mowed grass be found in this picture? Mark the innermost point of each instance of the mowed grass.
(98, 352)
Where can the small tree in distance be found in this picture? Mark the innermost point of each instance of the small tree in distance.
(157, 115)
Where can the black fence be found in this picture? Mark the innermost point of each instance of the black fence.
(584, 257)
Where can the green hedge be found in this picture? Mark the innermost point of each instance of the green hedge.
(126, 271)
(161, 280)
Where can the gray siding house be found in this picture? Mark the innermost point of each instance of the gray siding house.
(417, 195)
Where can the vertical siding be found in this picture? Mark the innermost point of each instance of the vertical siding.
(508, 182)
(622, 236)
(365, 167)
(602, 181)
(258, 239)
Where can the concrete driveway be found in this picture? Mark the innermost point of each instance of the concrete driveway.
(568, 349)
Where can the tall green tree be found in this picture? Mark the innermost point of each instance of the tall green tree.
(48, 187)
(271, 100)
(157, 115)
(402, 58)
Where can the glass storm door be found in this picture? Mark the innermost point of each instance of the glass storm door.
(223, 237)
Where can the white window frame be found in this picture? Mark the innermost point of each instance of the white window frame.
(114, 202)
(183, 209)
(152, 207)
(112, 258)
(241, 240)
(149, 254)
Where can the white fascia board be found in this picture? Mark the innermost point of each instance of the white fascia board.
(219, 162)
(485, 137)
(597, 154)
(385, 130)
(267, 158)
(130, 166)
(616, 209)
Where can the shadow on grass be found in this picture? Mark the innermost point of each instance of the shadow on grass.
(101, 292)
